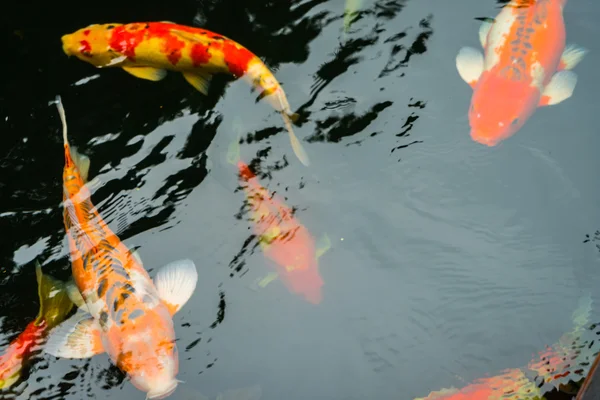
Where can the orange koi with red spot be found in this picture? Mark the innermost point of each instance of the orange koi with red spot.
(282, 238)
(147, 50)
(525, 66)
(122, 311)
(55, 305)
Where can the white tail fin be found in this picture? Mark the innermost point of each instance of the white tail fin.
(296, 145)
(63, 118)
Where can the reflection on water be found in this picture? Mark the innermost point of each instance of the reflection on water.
(449, 262)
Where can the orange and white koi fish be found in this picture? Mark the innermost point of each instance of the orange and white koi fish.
(513, 384)
(148, 49)
(122, 311)
(525, 66)
(55, 305)
(282, 238)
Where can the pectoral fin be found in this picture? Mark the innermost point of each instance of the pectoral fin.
(469, 63)
(75, 295)
(484, 29)
(271, 276)
(77, 337)
(175, 283)
(199, 80)
(148, 73)
(571, 57)
(82, 162)
(560, 88)
(114, 62)
(323, 245)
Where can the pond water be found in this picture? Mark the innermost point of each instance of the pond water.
(449, 261)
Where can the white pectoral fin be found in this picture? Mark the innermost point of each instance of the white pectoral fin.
(560, 88)
(75, 295)
(469, 63)
(572, 56)
(484, 29)
(175, 283)
(77, 337)
(114, 62)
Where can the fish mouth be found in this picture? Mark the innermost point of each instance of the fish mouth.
(484, 139)
(67, 44)
(162, 392)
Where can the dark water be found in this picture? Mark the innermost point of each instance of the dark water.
(450, 261)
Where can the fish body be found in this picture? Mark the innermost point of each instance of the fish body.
(283, 239)
(510, 385)
(123, 312)
(513, 384)
(55, 305)
(525, 66)
(148, 49)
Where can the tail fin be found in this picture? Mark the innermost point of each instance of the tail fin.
(296, 145)
(63, 118)
(55, 304)
(233, 152)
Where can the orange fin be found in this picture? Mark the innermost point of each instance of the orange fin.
(77, 337)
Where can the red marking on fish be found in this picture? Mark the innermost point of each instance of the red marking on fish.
(85, 48)
(125, 41)
(236, 58)
(172, 48)
(86, 32)
(199, 54)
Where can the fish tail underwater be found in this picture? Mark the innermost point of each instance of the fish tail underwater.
(388, 209)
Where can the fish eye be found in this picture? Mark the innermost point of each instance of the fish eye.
(514, 121)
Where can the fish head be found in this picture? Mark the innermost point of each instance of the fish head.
(91, 44)
(499, 109)
(149, 354)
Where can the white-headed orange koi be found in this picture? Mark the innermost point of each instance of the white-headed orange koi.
(122, 311)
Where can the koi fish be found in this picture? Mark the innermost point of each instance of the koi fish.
(282, 238)
(513, 383)
(121, 310)
(148, 50)
(554, 363)
(54, 307)
(525, 66)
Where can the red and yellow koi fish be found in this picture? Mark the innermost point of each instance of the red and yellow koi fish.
(513, 384)
(525, 66)
(148, 49)
(282, 238)
(55, 305)
(122, 311)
